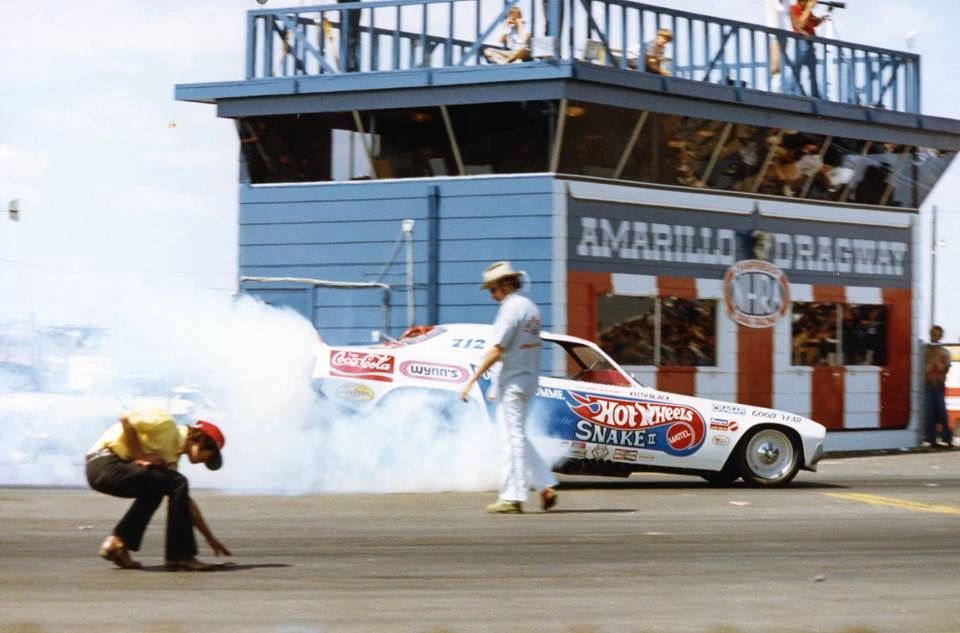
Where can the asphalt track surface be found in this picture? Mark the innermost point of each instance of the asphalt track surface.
(868, 544)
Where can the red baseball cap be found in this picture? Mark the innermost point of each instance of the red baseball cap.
(212, 431)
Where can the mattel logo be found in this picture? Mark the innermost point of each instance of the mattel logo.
(360, 365)
(433, 371)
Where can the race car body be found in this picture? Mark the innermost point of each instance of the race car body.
(590, 415)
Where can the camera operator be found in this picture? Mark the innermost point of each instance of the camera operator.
(806, 23)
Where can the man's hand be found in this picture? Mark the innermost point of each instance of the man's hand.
(465, 393)
(218, 547)
(151, 461)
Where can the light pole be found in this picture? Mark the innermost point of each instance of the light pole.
(407, 226)
(934, 243)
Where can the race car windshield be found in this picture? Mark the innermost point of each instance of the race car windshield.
(588, 365)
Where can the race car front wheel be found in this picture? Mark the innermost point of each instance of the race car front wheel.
(769, 458)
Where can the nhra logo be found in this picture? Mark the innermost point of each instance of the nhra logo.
(756, 293)
(433, 371)
(361, 365)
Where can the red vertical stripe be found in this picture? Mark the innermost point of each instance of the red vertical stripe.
(683, 287)
(828, 383)
(583, 288)
(895, 376)
(677, 379)
(755, 366)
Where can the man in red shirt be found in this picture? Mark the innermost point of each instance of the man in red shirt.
(806, 23)
(803, 19)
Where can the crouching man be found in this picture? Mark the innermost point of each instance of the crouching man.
(137, 459)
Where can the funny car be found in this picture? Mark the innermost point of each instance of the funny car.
(589, 416)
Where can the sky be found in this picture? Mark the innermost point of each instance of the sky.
(121, 187)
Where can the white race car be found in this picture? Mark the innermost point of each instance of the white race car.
(593, 416)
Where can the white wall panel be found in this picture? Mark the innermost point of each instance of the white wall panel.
(636, 285)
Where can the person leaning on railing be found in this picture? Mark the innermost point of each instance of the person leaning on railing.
(653, 55)
(515, 37)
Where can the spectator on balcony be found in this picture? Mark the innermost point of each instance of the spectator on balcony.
(806, 23)
(352, 23)
(515, 37)
(654, 58)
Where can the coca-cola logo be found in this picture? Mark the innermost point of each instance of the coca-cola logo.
(363, 365)
(433, 371)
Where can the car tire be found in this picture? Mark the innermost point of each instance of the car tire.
(768, 457)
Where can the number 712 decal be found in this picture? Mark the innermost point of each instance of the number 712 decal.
(469, 343)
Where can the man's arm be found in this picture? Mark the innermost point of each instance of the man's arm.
(523, 32)
(489, 360)
(136, 448)
(198, 522)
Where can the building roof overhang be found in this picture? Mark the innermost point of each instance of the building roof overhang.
(573, 80)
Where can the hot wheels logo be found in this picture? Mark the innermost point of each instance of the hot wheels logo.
(631, 414)
(675, 428)
(366, 366)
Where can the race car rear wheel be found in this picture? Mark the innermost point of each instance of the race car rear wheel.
(768, 457)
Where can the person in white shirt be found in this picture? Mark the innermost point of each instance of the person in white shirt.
(515, 37)
(516, 346)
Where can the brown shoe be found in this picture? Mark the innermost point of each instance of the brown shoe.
(548, 499)
(189, 564)
(114, 551)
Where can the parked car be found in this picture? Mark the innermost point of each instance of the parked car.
(591, 415)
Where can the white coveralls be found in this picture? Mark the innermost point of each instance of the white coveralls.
(516, 331)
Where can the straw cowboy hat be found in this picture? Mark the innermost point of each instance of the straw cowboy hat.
(498, 271)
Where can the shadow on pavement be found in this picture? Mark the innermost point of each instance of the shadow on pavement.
(218, 567)
(631, 484)
(591, 511)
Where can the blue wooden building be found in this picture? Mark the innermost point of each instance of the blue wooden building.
(730, 219)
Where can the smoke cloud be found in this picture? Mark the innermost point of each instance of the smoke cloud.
(63, 382)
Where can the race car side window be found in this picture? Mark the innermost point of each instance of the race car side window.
(585, 364)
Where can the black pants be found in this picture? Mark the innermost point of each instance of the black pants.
(111, 475)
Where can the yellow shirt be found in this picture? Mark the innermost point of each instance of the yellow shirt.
(157, 432)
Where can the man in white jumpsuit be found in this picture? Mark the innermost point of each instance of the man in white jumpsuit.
(516, 345)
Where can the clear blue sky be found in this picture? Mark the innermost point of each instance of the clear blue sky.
(120, 185)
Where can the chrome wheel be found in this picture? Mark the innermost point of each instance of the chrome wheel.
(769, 458)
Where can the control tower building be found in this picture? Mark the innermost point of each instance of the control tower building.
(731, 211)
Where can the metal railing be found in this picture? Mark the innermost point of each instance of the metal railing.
(394, 35)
